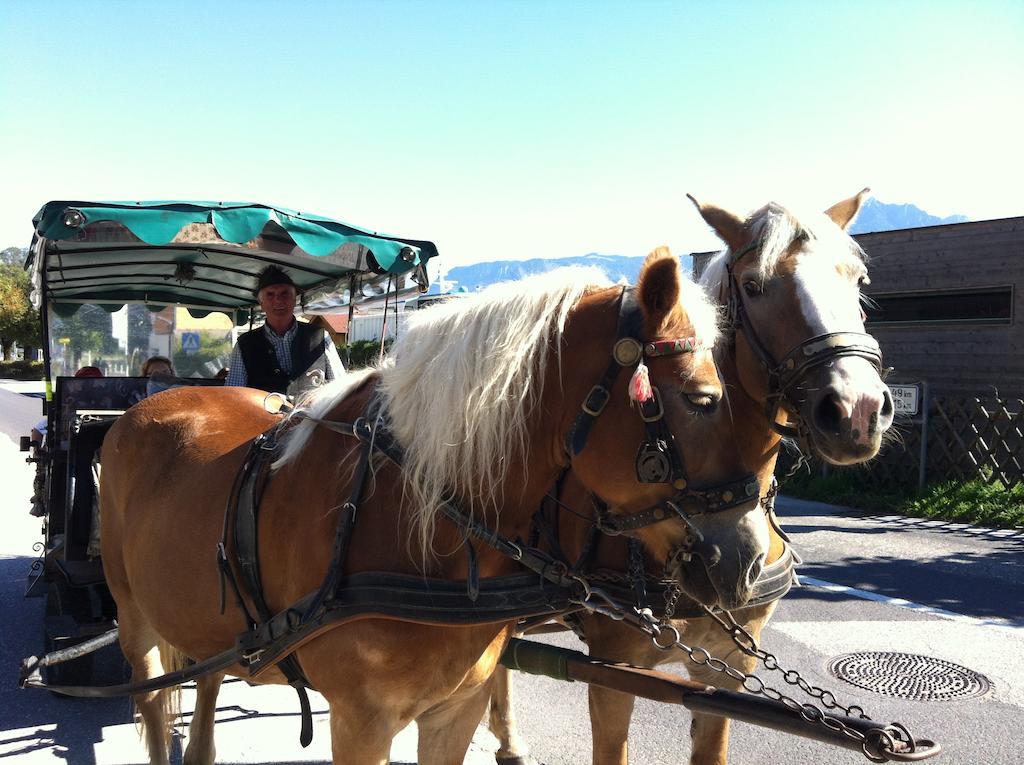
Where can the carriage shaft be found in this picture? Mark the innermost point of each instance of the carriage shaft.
(565, 664)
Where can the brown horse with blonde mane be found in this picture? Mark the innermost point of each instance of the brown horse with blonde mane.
(483, 397)
(794, 350)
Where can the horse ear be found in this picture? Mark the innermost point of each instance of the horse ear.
(729, 227)
(843, 213)
(659, 287)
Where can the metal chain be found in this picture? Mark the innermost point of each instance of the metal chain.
(875, 744)
(893, 739)
(672, 594)
(748, 644)
(768, 500)
(872, 744)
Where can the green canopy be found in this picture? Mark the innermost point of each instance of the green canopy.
(205, 256)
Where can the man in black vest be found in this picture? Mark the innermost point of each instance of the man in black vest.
(284, 355)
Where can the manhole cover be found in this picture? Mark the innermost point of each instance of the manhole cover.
(908, 676)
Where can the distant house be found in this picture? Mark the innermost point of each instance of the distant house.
(335, 324)
(946, 303)
(169, 323)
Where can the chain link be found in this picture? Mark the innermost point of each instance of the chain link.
(753, 684)
(874, 744)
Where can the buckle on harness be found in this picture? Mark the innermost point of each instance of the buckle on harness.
(656, 398)
(596, 400)
(254, 655)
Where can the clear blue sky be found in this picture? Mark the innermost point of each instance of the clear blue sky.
(513, 130)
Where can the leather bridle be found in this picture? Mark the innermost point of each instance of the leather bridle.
(784, 376)
(658, 458)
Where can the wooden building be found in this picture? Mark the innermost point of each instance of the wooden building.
(948, 304)
(335, 324)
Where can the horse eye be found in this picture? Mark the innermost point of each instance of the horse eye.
(752, 288)
(701, 401)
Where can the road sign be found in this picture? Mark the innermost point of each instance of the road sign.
(906, 399)
(190, 342)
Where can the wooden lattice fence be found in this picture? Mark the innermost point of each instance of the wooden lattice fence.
(974, 437)
(967, 437)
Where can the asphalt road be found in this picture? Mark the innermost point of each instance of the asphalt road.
(871, 584)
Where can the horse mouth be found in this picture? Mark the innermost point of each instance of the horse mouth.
(696, 584)
(840, 448)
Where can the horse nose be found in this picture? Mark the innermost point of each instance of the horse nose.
(830, 411)
(888, 410)
(862, 416)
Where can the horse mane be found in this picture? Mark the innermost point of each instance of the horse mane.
(459, 386)
(776, 229)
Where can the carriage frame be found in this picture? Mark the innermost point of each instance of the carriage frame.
(202, 256)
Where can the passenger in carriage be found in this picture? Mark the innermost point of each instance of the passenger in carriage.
(161, 372)
(284, 355)
(157, 365)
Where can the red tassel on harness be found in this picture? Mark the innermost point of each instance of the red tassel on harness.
(640, 385)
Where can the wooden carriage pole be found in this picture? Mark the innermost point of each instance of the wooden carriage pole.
(565, 664)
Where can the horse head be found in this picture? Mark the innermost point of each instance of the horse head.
(656, 448)
(791, 288)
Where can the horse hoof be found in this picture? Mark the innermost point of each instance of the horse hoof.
(517, 760)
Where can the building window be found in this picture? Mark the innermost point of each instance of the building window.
(978, 305)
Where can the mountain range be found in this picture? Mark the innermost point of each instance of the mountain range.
(479, 275)
(879, 216)
(873, 216)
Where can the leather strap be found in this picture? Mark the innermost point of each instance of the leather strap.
(629, 325)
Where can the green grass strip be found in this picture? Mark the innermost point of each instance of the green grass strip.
(976, 501)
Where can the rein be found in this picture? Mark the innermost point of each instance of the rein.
(784, 376)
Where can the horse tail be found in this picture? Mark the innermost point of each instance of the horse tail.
(169, 699)
(172, 660)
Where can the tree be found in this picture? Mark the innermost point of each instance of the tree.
(19, 322)
(88, 329)
(13, 256)
(139, 326)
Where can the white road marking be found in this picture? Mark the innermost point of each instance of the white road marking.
(1013, 625)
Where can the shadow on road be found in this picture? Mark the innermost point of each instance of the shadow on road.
(32, 720)
(993, 590)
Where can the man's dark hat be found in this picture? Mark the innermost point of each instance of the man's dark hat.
(272, 275)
